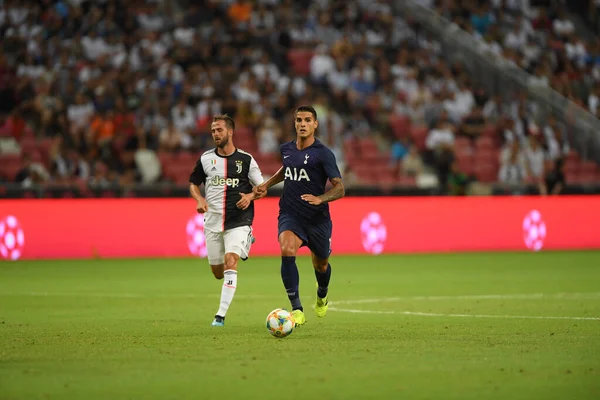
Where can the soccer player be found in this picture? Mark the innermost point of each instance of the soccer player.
(304, 218)
(228, 175)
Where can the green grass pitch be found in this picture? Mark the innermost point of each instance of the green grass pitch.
(454, 326)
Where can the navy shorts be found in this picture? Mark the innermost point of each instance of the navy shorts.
(316, 236)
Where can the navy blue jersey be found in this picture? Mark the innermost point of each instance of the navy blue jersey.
(306, 172)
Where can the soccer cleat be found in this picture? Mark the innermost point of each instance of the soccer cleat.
(299, 318)
(219, 321)
(321, 306)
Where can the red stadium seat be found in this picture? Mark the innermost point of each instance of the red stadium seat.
(165, 157)
(243, 132)
(186, 157)
(28, 145)
(9, 171)
(486, 173)
(351, 146)
(419, 136)
(588, 167)
(485, 142)
(300, 60)
(571, 166)
(400, 125)
(406, 181)
(572, 156)
(586, 177)
(367, 144)
(364, 172)
(465, 165)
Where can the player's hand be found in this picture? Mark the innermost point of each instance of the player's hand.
(245, 201)
(259, 191)
(314, 200)
(202, 206)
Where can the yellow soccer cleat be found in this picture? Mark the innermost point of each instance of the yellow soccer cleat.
(321, 306)
(299, 318)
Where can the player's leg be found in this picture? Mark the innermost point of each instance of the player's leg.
(218, 270)
(292, 236)
(323, 275)
(289, 244)
(215, 249)
(237, 242)
(319, 243)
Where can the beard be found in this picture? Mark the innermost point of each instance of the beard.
(224, 142)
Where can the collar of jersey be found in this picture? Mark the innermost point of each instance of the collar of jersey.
(296, 147)
(219, 155)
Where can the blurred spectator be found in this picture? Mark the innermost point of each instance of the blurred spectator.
(399, 151)
(440, 142)
(473, 124)
(171, 138)
(412, 163)
(269, 137)
(104, 86)
(512, 165)
(557, 145)
(147, 162)
(33, 172)
(457, 181)
(534, 156)
(554, 180)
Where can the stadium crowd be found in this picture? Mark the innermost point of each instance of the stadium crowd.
(102, 93)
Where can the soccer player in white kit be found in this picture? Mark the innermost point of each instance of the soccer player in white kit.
(228, 175)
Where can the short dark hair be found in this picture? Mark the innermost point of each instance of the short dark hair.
(309, 109)
(229, 122)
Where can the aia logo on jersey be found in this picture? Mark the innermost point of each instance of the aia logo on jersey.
(218, 181)
(296, 174)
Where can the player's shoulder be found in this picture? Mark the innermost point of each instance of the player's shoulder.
(287, 145)
(208, 154)
(241, 154)
(321, 147)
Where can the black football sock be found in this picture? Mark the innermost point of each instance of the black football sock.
(291, 280)
(323, 281)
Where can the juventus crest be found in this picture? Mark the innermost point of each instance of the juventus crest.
(239, 165)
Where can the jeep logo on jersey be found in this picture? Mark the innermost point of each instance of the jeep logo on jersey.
(218, 181)
(294, 174)
(239, 165)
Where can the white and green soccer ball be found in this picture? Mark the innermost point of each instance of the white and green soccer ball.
(280, 323)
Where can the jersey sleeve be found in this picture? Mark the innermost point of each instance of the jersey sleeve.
(198, 175)
(254, 173)
(330, 165)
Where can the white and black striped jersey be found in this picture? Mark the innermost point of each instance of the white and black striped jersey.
(224, 178)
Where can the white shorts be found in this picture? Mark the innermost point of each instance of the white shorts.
(237, 240)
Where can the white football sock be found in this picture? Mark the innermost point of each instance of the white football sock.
(227, 291)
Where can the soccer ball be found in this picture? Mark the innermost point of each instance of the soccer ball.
(280, 323)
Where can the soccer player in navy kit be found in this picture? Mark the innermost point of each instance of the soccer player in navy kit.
(304, 218)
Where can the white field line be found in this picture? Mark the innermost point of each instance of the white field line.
(531, 296)
(422, 314)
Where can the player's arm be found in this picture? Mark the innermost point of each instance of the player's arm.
(336, 192)
(201, 204)
(197, 178)
(255, 177)
(260, 191)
